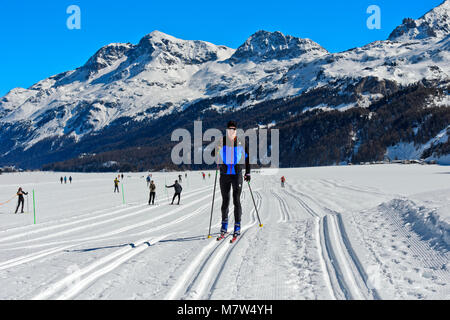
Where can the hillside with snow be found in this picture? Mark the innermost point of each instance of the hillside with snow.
(125, 86)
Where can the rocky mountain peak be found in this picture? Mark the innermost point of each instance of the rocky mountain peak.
(265, 45)
(434, 24)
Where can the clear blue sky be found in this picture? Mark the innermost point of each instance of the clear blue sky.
(36, 44)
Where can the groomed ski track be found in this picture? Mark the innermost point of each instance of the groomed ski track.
(306, 248)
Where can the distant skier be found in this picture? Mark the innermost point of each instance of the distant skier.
(148, 180)
(233, 156)
(203, 175)
(209, 174)
(70, 179)
(152, 193)
(178, 188)
(65, 179)
(61, 180)
(116, 185)
(185, 175)
(283, 180)
(122, 176)
(21, 200)
(179, 178)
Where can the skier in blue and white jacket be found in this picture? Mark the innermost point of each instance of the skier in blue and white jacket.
(233, 157)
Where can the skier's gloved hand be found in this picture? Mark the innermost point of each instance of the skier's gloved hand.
(247, 177)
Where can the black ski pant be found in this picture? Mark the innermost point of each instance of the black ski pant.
(21, 201)
(226, 182)
(176, 195)
(116, 187)
(152, 198)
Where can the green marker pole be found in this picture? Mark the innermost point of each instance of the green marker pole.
(123, 195)
(34, 208)
(165, 184)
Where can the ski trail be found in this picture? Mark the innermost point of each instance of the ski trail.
(284, 217)
(199, 264)
(234, 246)
(73, 283)
(205, 280)
(46, 226)
(343, 273)
(335, 249)
(71, 278)
(184, 278)
(41, 254)
(87, 226)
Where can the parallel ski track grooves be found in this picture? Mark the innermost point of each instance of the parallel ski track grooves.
(47, 228)
(47, 224)
(332, 258)
(118, 258)
(123, 255)
(198, 267)
(321, 246)
(282, 205)
(348, 284)
(373, 292)
(361, 190)
(216, 280)
(30, 257)
(303, 204)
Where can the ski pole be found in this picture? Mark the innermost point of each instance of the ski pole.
(165, 188)
(28, 207)
(251, 193)
(212, 206)
(123, 195)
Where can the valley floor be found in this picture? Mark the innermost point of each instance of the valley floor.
(350, 232)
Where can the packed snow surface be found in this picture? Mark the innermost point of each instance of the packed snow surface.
(342, 232)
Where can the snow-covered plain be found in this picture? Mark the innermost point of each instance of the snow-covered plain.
(343, 232)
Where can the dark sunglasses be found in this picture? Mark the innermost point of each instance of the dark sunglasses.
(231, 129)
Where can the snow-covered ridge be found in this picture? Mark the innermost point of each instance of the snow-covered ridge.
(435, 23)
(162, 74)
(264, 45)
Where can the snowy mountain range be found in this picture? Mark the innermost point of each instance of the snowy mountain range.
(126, 85)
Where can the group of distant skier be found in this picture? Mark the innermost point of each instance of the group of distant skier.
(65, 179)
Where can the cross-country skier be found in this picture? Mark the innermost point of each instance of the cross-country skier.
(65, 179)
(70, 179)
(20, 194)
(283, 180)
(178, 190)
(233, 156)
(61, 180)
(148, 180)
(179, 178)
(152, 193)
(116, 185)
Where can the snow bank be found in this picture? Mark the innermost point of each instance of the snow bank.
(424, 221)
